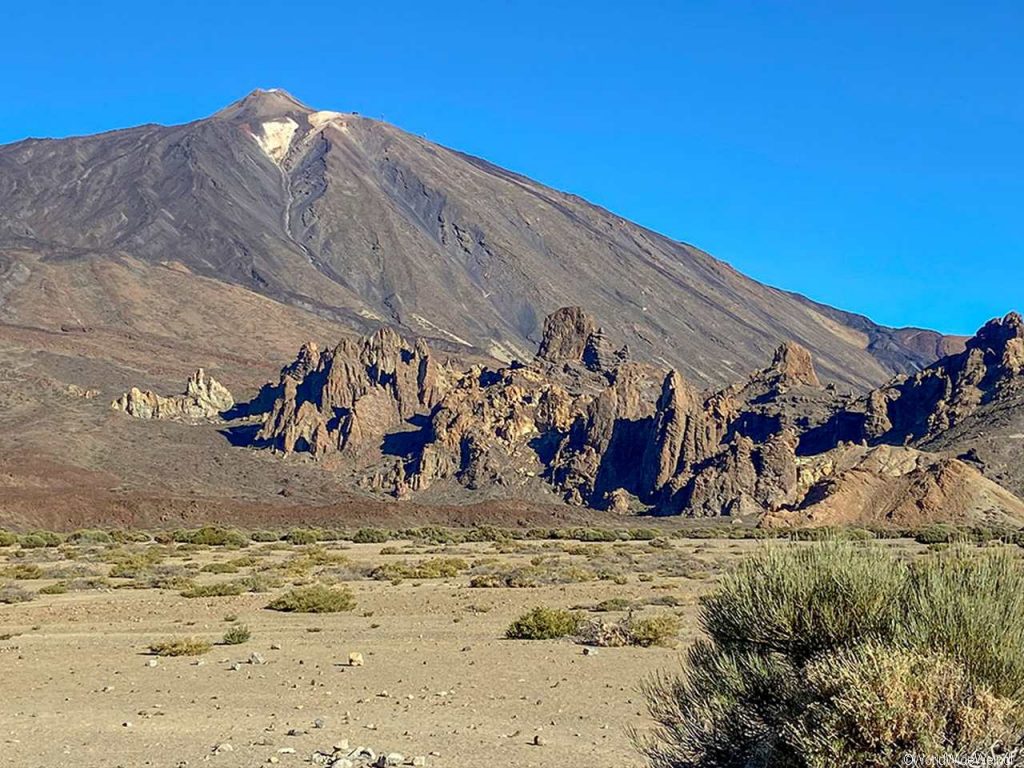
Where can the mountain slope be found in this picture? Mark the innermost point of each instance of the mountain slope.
(360, 223)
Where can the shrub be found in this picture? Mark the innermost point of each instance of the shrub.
(632, 630)
(264, 536)
(372, 536)
(10, 595)
(613, 604)
(940, 533)
(22, 572)
(544, 624)
(236, 635)
(219, 568)
(7, 539)
(89, 537)
(844, 654)
(57, 588)
(180, 647)
(32, 541)
(221, 589)
(888, 702)
(436, 568)
(302, 536)
(316, 598)
(212, 536)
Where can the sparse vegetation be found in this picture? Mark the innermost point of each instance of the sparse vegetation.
(317, 598)
(181, 647)
(544, 624)
(436, 568)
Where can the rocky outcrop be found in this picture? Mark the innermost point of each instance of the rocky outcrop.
(897, 486)
(349, 397)
(584, 422)
(565, 336)
(205, 399)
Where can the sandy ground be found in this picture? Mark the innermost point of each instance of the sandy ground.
(439, 679)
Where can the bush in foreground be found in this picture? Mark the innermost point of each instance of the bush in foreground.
(544, 624)
(317, 598)
(843, 655)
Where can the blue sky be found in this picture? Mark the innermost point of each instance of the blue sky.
(866, 154)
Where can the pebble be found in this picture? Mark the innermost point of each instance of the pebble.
(152, 663)
(256, 658)
(355, 659)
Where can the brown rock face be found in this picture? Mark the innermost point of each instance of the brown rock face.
(352, 395)
(603, 432)
(889, 485)
(205, 399)
(793, 363)
(920, 408)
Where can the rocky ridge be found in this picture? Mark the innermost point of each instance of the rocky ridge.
(584, 421)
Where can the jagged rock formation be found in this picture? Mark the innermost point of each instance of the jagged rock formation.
(347, 397)
(583, 421)
(205, 398)
(920, 407)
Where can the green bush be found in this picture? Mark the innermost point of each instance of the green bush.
(212, 536)
(844, 654)
(544, 624)
(372, 536)
(237, 635)
(32, 541)
(648, 631)
(303, 536)
(7, 539)
(89, 537)
(940, 533)
(317, 598)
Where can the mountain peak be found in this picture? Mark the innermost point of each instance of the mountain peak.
(262, 104)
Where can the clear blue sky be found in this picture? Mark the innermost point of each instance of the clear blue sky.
(868, 154)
